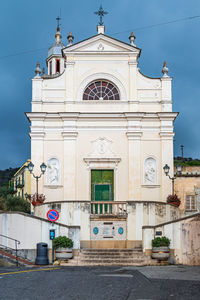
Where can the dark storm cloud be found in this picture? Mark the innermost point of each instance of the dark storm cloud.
(30, 25)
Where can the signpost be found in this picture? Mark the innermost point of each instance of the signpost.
(52, 215)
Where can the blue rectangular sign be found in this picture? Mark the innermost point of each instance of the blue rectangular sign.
(52, 234)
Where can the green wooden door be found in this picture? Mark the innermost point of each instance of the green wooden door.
(102, 188)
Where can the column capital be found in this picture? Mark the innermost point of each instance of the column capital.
(69, 135)
(167, 135)
(37, 135)
(134, 135)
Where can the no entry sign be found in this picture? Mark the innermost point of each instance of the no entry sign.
(52, 215)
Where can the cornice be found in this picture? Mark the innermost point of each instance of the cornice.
(167, 115)
(137, 116)
(126, 47)
(91, 160)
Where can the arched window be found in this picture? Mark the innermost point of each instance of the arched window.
(57, 66)
(101, 90)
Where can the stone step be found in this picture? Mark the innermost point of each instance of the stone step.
(104, 264)
(112, 250)
(21, 261)
(100, 259)
(112, 253)
(108, 262)
(111, 256)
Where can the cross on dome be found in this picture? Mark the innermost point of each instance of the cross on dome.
(58, 21)
(101, 13)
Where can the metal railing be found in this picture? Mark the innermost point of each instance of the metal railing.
(117, 208)
(15, 248)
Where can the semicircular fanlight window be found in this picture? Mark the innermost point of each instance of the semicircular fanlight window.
(101, 90)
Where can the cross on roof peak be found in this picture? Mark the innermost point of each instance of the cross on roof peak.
(101, 13)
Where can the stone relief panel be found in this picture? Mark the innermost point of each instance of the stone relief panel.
(150, 171)
(53, 171)
(101, 148)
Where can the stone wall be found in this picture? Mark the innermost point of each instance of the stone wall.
(139, 213)
(184, 235)
(30, 230)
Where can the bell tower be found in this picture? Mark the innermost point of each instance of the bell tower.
(55, 61)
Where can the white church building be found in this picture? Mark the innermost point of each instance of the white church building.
(104, 131)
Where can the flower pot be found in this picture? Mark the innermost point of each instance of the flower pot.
(175, 203)
(64, 253)
(160, 253)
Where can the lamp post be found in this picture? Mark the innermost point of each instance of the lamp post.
(166, 170)
(43, 169)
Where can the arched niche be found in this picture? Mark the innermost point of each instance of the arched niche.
(150, 171)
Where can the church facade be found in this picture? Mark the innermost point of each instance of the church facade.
(105, 131)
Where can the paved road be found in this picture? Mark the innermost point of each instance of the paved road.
(100, 283)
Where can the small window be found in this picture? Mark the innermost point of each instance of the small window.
(190, 203)
(57, 66)
(50, 68)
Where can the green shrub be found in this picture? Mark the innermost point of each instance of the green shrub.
(160, 242)
(13, 203)
(62, 242)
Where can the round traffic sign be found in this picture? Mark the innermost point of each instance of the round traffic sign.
(52, 215)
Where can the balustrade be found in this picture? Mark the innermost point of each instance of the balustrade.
(117, 208)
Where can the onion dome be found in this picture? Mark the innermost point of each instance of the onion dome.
(56, 48)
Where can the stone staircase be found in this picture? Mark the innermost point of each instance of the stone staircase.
(7, 258)
(110, 257)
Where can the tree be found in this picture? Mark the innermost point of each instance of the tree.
(10, 202)
(4, 190)
(16, 203)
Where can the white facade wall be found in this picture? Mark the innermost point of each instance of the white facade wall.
(136, 127)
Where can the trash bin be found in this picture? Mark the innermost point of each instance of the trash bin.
(42, 254)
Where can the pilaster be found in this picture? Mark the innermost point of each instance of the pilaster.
(70, 156)
(132, 80)
(166, 158)
(37, 89)
(166, 94)
(70, 80)
(134, 164)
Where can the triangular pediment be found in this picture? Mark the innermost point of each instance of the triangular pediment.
(101, 43)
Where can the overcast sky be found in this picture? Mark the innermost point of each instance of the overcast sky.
(28, 29)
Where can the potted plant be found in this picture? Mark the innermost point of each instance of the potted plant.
(173, 199)
(160, 248)
(63, 247)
